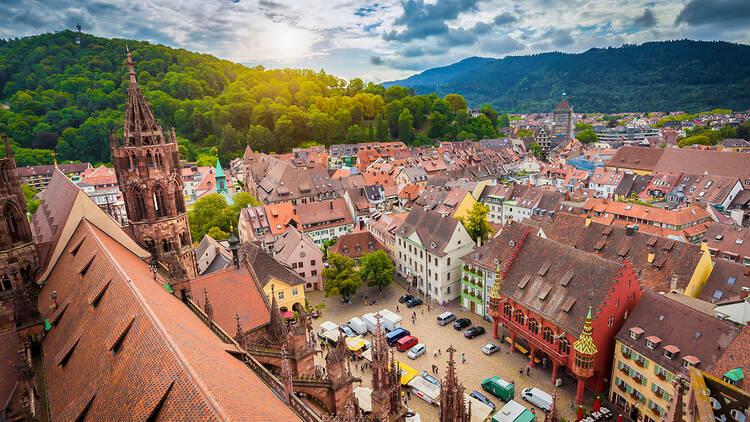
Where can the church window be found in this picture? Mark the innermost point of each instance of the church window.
(533, 326)
(549, 337)
(165, 245)
(149, 160)
(563, 346)
(520, 317)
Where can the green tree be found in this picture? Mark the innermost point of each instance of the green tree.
(376, 269)
(476, 222)
(217, 233)
(28, 192)
(341, 279)
(456, 102)
(587, 136)
(490, 113)
(743, 131)
(31, 206)
(208, 212)
(405, 121)
(535, 149)
(582, 126)
(503, 121)
(438, 125)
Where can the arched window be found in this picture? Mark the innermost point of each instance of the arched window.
(533, 326)
(161, 200)
(132, 162)
(563, 347)
(138, 205)
(520, 317)
(150, 245)
(166, 246)
(179, 199)
(584, 361)
(14, 224)
(149, 160)
(508, 310)
(184, 239)
(157, 159)
(549, 337)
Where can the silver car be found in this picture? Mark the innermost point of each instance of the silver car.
(416, 351)
(490, 348)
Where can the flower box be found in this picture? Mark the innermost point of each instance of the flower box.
(621, 386)
(639, 362)
(658, 393)
(661, 376)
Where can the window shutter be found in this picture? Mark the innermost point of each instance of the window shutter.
(645, 363)
(653, 387)
(650, 404)
(619, 365)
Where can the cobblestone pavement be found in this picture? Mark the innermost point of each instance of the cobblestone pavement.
(478, 366)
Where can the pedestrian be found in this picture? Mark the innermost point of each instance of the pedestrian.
(408, 394)
(528, 371)
(434, 354)
(533, 412)
(463, 358)
(572, 406)
(422, 311)
(439, 352)
(428, 308)
(413, 314)
(397, 308)
(520, 370)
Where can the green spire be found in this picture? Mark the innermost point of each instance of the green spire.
(219, 171)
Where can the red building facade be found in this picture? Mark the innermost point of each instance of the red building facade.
(560, 303)
(149, 174)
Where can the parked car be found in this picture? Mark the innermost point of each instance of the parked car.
(357, 325)
(348, 332)
(490, 348)
(395, 335)
(414, 302)
(418, 350)
(537, 397)
(445, 318)
(499, 388)
(474, 331)
(405, 298)
(430, 378)
(479, 396)
(461, 323)
(406, 343)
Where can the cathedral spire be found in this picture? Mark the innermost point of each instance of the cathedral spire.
(131, 66)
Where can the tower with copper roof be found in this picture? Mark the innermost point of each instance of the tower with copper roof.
(148, 171)
(585, 353)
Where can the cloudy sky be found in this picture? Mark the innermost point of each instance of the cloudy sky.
(381, 39)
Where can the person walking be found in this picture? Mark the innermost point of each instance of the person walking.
(439, 352)
(397, 309)
(520, 370)
(463, 358)
(528, 371)
(434, 353)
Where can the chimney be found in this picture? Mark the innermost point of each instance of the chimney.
(744, 292)
(673, 283)
(629, 231)
(479, 241)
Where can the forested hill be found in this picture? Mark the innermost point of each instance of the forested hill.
(58, 95)
(655, 76)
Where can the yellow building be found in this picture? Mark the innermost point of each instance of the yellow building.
(290, 297)
(463, 208)
(276, 279)
(701, 273)
(661, 340)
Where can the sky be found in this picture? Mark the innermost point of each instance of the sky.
(381, 40)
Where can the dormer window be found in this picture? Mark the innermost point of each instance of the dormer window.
(652, 342)
(670, 351)
(635, 332)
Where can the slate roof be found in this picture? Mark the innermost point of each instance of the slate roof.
(318, 215)
(434, 229)
(731, 239)
(540, 266)
(671, 258)
(720, 287)
(675, 324)
(267, 269)
(123, 348)
(52, 213)
(287, 243)
(50, 169)
(697, 161)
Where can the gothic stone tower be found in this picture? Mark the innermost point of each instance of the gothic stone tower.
(564, 121)
(386, 381)
(452, 405)
(148, 171)
(19, 259)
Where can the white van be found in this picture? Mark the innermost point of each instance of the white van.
(445, 318)
(537, 397)
(357, 325)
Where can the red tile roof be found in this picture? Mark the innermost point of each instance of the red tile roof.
(126, 349)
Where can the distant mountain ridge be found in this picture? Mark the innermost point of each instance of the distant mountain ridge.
(654, 76)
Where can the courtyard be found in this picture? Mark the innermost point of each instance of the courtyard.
(477, 367)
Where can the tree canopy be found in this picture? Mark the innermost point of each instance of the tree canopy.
(67, 97)
(476, 222)
(340, 278)
(376, 269)
(213, 213)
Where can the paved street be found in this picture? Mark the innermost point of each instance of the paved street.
(477, 367)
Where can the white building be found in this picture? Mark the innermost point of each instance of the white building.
(429, 247)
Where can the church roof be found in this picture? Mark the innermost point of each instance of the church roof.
(122, 348)
(219, 170)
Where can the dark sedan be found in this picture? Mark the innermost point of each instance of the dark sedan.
(474, 331)
(414, 302)
(479, 396)
(461, 323)
(405, 298)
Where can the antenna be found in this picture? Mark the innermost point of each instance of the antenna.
(78, 35)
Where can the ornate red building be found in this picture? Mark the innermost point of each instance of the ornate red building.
(148, 171)
(563, 305)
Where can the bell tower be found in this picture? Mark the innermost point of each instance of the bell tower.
(148, 171)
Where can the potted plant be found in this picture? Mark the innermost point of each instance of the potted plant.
(639, 362)
(621, 386)
(661, 376)
(658, 393)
